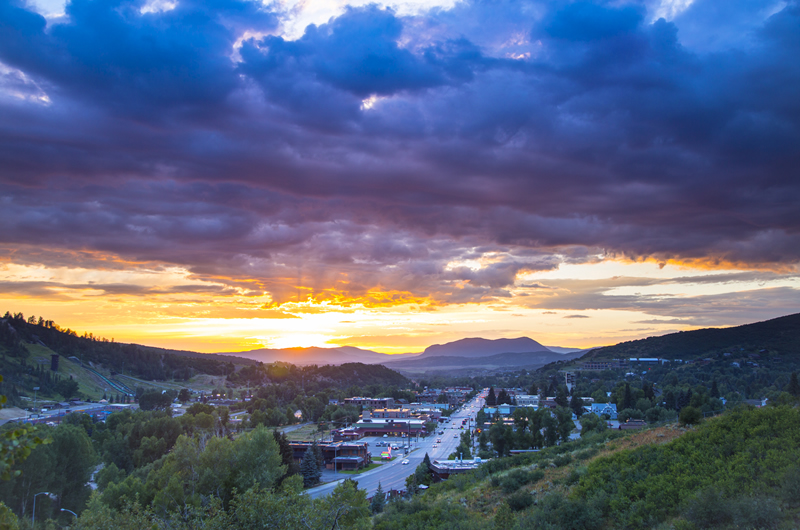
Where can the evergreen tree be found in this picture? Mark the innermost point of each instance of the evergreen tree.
(378, 500)
(287, 455)
(669, 400)
(491, 399)
(426, 460)
(319, 457)
(648, 391)
(561, 396)
(627, 399)
(309, 468)
(714, 389)
(503, 398)
(576, 404)
(553, 388)
(794, 386)
(534, 390)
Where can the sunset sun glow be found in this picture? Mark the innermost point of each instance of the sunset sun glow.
(297, 174)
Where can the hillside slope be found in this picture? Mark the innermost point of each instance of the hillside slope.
(778, 336)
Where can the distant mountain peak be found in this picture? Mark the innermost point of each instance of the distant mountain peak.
(478, 347)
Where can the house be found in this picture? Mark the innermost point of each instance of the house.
(605, 408)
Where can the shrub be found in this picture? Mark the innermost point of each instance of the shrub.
(516, 479)
(519, 500)
(586, 454)
(562, 460)
(690, 416)
(708, 509)
(790, 486)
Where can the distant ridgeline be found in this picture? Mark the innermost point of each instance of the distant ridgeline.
(779, 336)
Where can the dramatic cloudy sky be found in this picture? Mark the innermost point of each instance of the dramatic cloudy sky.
(223, 175)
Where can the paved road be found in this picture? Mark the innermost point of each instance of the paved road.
(392, 475)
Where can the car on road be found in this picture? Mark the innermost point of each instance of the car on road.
(404, 462)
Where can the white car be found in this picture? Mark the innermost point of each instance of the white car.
(404, 462)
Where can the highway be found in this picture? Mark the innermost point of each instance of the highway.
(392, 475)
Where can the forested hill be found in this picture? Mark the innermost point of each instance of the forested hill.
(779, 336)
(318, 377)
(16, 333)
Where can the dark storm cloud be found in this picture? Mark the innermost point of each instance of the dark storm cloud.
(376, 152)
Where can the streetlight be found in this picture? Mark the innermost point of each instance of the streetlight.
(35, 389)
(70, 511)
(33, 515)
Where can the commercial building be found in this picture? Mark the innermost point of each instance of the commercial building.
(371, 403)
(388, 413)
(443, 469)
(336, 455)
(378, 427)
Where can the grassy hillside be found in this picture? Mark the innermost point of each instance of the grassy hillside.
(778, 336)
(739, 470)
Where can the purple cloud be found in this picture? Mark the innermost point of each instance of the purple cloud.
(376, 150)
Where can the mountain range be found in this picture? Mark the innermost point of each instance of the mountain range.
(780, 335)
(472, 352)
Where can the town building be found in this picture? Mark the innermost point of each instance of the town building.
(409, 427)
(371, 403)
(443, 469)
(604, 408)
(336, 455)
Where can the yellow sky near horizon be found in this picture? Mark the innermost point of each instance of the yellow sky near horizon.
(578, 306)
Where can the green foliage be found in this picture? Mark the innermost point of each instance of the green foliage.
(310, 468)
(739, 454)
(8, 521)
(197, 469)
(592, 423)
(794, 386)
(62, 467)
(155, 400)
(515, 479)
(709, 509)
(504, 518)
(519, 500)
(556, 511)
(254, 509)
(66, 387)
(16, 444)
(790, 486)
(378, 500)
(419, 513)
(690, 416)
